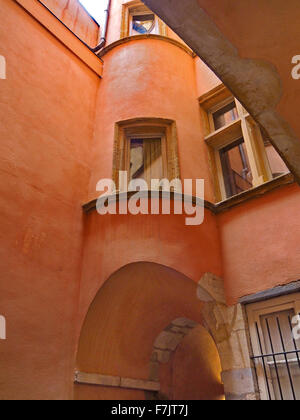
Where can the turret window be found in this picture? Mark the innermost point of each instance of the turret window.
(225, 115)
(277, 165)
(146, 158)
(236, 168)
(137, 19)
(275, 339)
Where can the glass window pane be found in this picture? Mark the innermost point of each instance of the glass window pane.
(143, 24)
(236, 168)
(277, 165)
(146, 159)
(225, 116)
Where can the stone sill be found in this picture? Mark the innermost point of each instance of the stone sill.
(217, 208)
(60, 31)
(143, 37)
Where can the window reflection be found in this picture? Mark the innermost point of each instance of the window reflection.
(146, 160)
(236, 168)
(143, 24)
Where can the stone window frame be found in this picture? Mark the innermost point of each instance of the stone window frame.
(244, 126)
(254, 312)
(128, 10)
(146, 127)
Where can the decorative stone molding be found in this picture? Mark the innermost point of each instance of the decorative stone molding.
(128, 8)
(116, 382)
(275, 292)
(50, 22)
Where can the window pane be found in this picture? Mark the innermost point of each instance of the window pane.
(136, 159)
(143, 24)
(277, 165)
(236, 168)
(225, 116)
(146, 159)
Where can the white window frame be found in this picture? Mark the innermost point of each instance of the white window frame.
(146, 136)
(243, 127)
(155, 29)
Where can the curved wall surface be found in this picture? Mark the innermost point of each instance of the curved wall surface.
(115, 22)
(150, 78)
(129, 312)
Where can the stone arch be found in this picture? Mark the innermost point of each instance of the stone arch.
(2, 67)
(181, 344)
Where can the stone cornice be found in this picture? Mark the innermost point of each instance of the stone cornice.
(60, 31)
(128, 39)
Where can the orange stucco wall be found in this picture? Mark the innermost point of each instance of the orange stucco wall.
(156, 295)
(76, 18)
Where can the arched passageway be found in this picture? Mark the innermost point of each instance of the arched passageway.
(139, 309)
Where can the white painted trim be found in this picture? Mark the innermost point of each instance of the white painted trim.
(49, 21)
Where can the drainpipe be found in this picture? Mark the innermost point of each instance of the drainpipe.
(103, 32)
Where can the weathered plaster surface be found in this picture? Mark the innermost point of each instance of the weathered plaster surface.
(227, 325)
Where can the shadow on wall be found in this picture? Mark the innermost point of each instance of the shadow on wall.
(186, 361)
